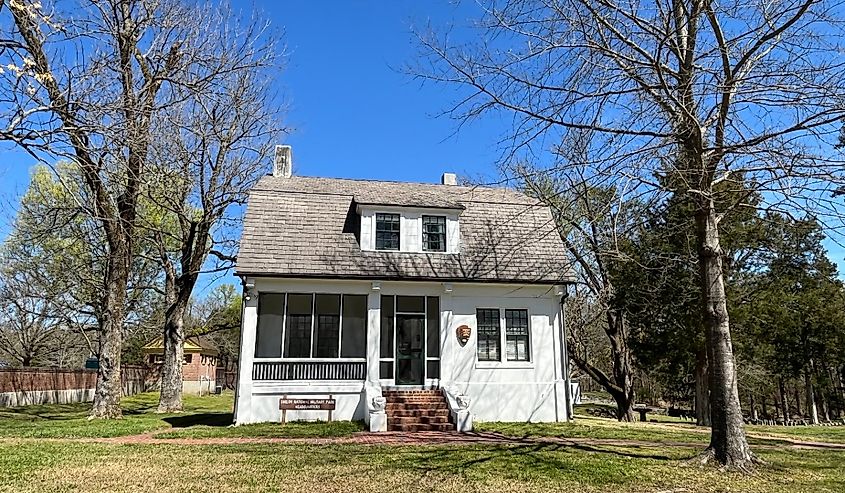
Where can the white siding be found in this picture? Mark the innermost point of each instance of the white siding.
(506, 391)
(411, 228)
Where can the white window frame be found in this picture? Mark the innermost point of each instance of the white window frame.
(503, 362)
(445, 232)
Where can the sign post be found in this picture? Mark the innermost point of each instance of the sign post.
(286, 404)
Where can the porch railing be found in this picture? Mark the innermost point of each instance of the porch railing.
(316, 370)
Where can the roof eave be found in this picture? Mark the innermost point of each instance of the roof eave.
(537, 282)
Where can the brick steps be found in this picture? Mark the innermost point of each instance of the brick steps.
(421, 427)
(416, 406)
(412, 420)
(420, 413)
(417, 410)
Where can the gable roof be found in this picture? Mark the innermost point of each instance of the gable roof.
(309, 227)
(193, 344)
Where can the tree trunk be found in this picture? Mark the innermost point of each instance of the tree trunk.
(170, 398)
(812, 410)
(728, 444)
(623, 375)
(754, 416)
(784, 404)
(109, 387)
(702, 392)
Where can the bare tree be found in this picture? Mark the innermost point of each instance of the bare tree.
(711, 92)
(212, 151)
(85, 84)
(592, 216)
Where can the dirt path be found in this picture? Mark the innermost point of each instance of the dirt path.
(421, 439)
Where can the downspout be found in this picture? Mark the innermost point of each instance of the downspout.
(565, 356)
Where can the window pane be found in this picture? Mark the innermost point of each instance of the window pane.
(432, 335)
(432, 369)
(386, 369)
(516, 333)
(354, 344)
(387, 231)
(488, 334)
(327, 335)
(410, 304)
(298, 328)
(434, 233)
(387, 311)
(268, 335)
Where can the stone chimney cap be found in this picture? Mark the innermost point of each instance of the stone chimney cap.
(283, 161)
(449, 179)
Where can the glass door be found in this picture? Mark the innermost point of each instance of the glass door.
(410, 347)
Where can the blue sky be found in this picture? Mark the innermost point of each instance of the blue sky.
(354, 113)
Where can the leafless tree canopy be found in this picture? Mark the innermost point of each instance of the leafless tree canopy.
(85, 82)
(757, 86)
(697, 98)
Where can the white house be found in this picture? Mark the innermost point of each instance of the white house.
(413, 306)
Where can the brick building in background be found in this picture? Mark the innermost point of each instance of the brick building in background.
(199, 370)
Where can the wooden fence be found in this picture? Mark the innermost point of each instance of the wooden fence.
(24, 386)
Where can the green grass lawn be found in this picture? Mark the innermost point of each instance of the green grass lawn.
(70, 420)
(296, 429)
(30, 464)
(203, 417)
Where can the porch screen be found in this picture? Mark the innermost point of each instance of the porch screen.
(298, 327)
(268, 336)
(354, 342)
(327, 335)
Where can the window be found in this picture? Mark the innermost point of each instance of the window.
(327, 335)
(188, 359)
(516, 335)
(489, 333)
(268, 336)
(298, 327)
(354, 343)
(387, 231)
(324, 326)
(434, 233)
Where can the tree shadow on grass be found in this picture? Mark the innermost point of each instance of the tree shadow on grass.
(205, 419)
(553, 461)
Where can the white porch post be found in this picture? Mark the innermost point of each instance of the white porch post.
(373, 333)
(249, 324)
(448, 342)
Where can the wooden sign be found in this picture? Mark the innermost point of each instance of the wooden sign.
(307, 404)
(286, 404)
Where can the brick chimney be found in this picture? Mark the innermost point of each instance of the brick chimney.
(283, 161)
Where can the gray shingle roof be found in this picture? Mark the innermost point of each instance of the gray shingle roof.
(309, 227)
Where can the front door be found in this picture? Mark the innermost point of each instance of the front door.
(410, 344)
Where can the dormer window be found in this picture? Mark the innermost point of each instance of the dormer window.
(434, 233)
(387, 231)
